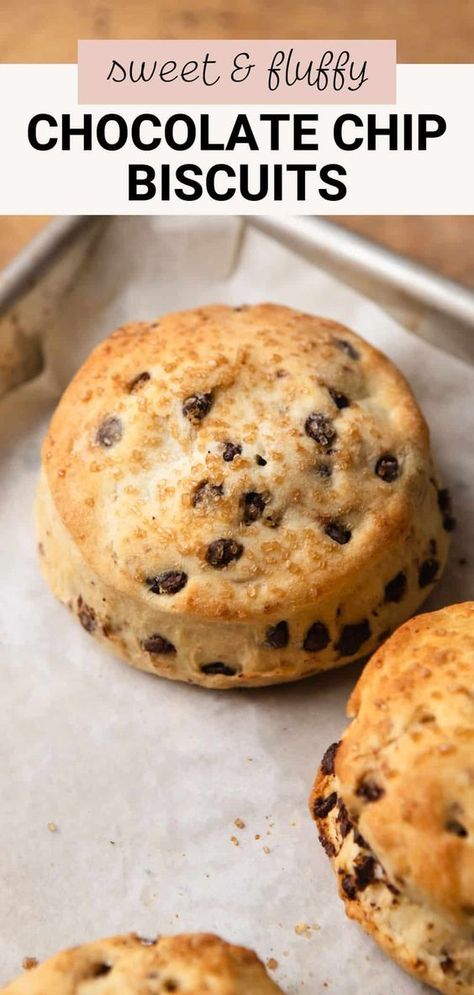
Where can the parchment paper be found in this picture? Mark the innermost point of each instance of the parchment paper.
(144, 778)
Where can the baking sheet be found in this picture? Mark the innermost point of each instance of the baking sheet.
(142, 778)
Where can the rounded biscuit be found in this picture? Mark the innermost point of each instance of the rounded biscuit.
(240, 496)
(394, 800)
(194, 964)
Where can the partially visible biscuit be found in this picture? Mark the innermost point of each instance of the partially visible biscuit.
(394, 800)
(240, 496)
(194, 964)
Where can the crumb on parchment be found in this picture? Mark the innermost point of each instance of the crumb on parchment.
(239, 823)
(29, 962)
(306, 929)
(272, 964)
(52, 827)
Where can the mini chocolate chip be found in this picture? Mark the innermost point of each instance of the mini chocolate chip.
(387, 468)
(446, 509)
(323, 470)
(206, 492)
(347, 347)
(218, 668)
(456, 828)
(327, 763)
(221, 552)
(337, 532)
(197, 406)
(353, 637)
(323, 805)
(365, 872)
(109, 432)
(98, 970)
(340, 400)
(327, 844)
(316, 638)
(138, 381)
(396, 588)
(168, 582)
(359, 839)
(231, 449)
(277, 636)
(87, 617)
(157, 644)
(369, 790)
(344, 823)
(273, 520)
(427, 572)
(260, 460)
(253, 506)
(447, 963)
(444, 499)
(320, 428)
(349, 886)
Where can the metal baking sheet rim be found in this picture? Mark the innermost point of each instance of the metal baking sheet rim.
(423, 297)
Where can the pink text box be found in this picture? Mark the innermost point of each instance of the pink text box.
(217, 72)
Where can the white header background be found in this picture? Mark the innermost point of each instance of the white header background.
(437, 181)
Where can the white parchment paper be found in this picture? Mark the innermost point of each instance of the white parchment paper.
(144, 778)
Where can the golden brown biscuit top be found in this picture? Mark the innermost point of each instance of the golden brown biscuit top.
(231, 460)
(196, 964)
(406, 764)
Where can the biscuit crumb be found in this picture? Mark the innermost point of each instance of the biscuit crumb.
(52, 827)
(234, 840)
(303, 929)
(29, 962)
(239, 823)
(266, 849)
(257, 836)
(272, 964)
